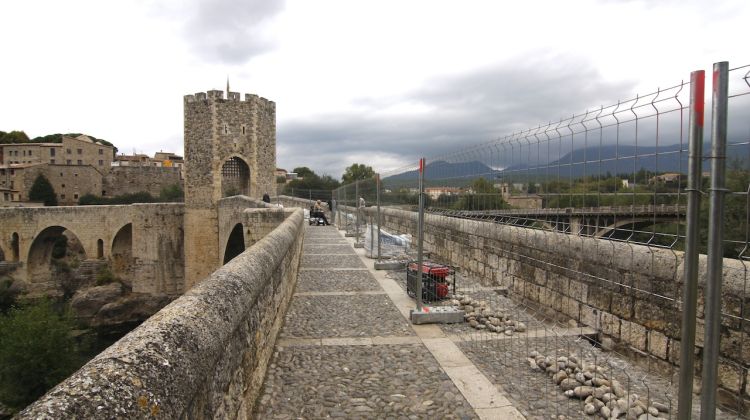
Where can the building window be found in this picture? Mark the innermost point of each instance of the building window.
(62, 196)
(243, 129)
(24, 153)
(51, 152)
(30, 152)
(52, 161)
(63, 185)
(101, 162)
(80, 151)
(75, 174)
(101, 151)
(67, 162)
(104, 193)
(67, 151)
(80, 162)
(75, 196)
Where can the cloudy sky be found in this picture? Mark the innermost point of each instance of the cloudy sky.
(378, 82)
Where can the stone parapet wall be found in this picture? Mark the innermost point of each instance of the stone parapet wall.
(202, 356)
(626, 291)
(258, 219)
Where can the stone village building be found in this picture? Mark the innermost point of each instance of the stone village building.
(78, 166)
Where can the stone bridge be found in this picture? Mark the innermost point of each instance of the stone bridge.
(589, 221)
(143, 243)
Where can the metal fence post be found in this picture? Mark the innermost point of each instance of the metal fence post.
(420, 235)
(690, 287)
(377, 200)
(356, 206)
(715, 236)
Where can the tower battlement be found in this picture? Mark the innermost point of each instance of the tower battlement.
(218, 95)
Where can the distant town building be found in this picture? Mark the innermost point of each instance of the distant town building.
(160, 159)
(669, 178)
(519, 200)
(436, 192)
(80, 165)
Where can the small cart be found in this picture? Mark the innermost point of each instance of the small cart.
(435, 282)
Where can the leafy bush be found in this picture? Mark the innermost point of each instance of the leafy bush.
(105, 276)
(172, 194)
(94, 200)
(37, 351)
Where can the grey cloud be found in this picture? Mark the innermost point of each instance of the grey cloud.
(468, 109)
(229, 31)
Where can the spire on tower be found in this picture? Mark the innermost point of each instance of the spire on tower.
(227, 87)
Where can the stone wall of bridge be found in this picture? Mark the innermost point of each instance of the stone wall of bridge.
(202, 356)
(628, 292)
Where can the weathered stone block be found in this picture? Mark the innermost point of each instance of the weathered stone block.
(633, 334)
(658, 344)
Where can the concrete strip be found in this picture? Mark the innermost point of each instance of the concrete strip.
(395, 340)
(489, 401)
(296, 342)
(347, 341)
(477, 389)
(339, 293)
(332, 269)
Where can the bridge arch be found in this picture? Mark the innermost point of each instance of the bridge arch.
(235, 176)
(46, 246)
(235, 243)
(122, 253)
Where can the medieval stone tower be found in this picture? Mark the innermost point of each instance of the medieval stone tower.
(230, 149)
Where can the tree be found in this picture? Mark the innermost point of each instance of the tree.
(172, 194)
(357, 172)
(37, 351)
(303, 171)
(13, 137)
(42, 191)
(484, 197)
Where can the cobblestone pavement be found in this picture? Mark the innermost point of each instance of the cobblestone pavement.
(331, 261)
(342, 281)
(344, 316)
(396, 379)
